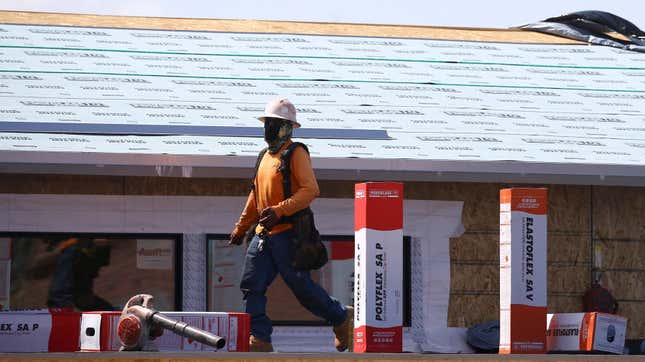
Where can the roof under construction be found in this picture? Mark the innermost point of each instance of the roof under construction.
(124, 95)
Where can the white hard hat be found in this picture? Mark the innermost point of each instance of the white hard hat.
(280, 108)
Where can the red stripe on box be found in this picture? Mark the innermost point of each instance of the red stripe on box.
(587, 331)
(341, 250)
(64, 335)
(378, 206)
(380, 340)
(243, 331)
(528, 329)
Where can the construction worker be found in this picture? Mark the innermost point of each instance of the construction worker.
(268, 252)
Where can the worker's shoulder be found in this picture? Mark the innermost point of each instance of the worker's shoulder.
(298, 147)
(296, 151)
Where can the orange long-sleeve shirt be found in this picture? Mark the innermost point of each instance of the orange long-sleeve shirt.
(269, 193)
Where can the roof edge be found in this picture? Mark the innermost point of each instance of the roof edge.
(326, 168)
(271, 26)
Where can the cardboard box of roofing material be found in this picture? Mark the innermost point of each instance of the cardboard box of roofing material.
(378, 265)
(522, 270)
(585, 332)
(98, 331)
(39, 331)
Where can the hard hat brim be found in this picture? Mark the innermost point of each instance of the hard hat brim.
(294, 123)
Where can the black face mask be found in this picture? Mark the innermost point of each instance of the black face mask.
(271, 129)
(276, 132)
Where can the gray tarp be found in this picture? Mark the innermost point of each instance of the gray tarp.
(594, 27)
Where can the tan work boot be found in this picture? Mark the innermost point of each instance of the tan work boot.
(345, 332)
(258, 345)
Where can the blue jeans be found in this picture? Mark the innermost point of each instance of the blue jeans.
(262, 266)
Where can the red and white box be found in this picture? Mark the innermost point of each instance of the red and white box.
(338, 279)
(378, 265)
(522, 270)
(585, 332)
(39, 331)
(98, 331)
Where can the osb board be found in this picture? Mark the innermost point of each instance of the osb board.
(477, 278)
(618, 212)
(467, 310)
(484, 278)
(635, 313)
(177, 186)
(481, 206)
(61, 184)
(120, 185)
(571, 248)
(340, 189)
(564, 303)
(625, 284)
(572, 279)
(622, 254)
(476, 34)
(471, 275)
(569, 208)
(484, 246)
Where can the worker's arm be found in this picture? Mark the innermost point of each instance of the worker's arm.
(248, 217)
(305, 188)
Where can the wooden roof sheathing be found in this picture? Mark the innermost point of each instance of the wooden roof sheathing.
(386, 101)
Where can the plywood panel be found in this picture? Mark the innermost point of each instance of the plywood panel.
(475, 246)
(618, 212)
(481, 207)
(485, 278)
(622, 254)
(569, 208)
(468, 310)
(474, 278)
(564, 304)
(177, 186)
(341, 189)
(572, 248)
(481, 201)
(625, 284)
(634, 312)
(447, 191)
(568, 211)
(453, 33)
(562, 249)
(61, 184)
(567, 278)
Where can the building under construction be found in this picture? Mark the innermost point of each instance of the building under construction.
(140, 135)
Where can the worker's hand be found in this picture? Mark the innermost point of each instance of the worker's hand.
(268, 218)
(235, 239)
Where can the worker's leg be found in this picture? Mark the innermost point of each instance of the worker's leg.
(311, 295)
(259, 272)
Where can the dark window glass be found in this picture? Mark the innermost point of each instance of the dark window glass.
(337, 277)
(87, 272)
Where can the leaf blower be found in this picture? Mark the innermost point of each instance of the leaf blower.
(140, 323)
